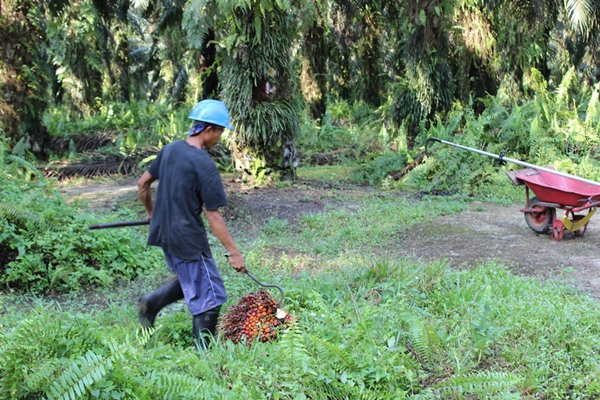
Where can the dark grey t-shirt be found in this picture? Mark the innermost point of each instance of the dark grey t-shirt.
(188, 180)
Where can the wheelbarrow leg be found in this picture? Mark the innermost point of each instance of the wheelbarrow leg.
(558, 230)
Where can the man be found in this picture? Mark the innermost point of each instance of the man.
(189, 183)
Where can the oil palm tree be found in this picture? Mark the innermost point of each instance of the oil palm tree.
(259, 81)
(424, 83)
(315, 57)
(23, 74)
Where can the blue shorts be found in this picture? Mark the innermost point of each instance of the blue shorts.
(200, 281)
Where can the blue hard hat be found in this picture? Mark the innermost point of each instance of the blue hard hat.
(212, 111)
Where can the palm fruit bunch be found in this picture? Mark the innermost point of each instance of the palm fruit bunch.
(256, 317)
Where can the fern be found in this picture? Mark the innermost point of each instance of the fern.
(343, 362)
(4, 388)
(293, 340)
(10, 211)
(171, 385)
(483, 384)
(592, 116)
(327, 351)
(82, 374)
(23, 168)
(197, 19)
(16, 357)
(423, 338)
(562, 92)
(89, 369)
(19, 217)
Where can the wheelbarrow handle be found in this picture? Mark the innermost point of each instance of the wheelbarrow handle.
(269, 285)
(504, 159)
(119, 224)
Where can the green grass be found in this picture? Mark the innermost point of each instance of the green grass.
(371, 324)
(373, 223)
(329, 173)
(376, 328)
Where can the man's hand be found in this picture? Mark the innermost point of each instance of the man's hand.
(237, 262)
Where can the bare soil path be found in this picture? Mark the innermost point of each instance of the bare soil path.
(483, 232)
(494, 232)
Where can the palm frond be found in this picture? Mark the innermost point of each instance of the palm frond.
(82, 142)
(140, 4)
(581, 13)
(99, 166)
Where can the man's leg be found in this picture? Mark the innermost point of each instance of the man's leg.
(204, 327)
(151, 303)
(204, 294)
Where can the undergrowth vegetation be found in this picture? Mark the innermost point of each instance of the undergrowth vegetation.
(136, 123)
(558, 128)
(378, 329)
(45, 244)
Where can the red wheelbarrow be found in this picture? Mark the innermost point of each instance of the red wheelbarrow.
(552, 190)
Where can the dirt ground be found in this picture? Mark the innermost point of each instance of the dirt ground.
(494, 232)
(483, 232)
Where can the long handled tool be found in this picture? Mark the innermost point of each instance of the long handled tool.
(146, 222)
(267, 285)
(119, 224)
(264, 284)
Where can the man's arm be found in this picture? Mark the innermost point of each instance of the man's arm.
(145, 192)
(219, 228)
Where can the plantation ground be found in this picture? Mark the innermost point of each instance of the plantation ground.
(482, 232)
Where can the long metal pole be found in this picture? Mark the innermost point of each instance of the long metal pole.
(119, 224)
(514, 161)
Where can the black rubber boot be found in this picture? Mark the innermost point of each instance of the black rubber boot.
(151, 303)
(204, 327)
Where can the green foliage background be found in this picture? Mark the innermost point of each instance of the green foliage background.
(517, 78)
(415, 59)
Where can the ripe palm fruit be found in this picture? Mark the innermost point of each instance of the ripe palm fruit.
(255, 318)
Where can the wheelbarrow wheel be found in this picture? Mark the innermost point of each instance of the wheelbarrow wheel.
(539, 222)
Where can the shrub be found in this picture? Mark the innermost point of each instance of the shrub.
(378, 168)
(45, 244)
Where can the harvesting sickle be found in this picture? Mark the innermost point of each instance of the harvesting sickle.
(264, 284)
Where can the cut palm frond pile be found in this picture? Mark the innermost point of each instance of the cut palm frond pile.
(92, 165)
